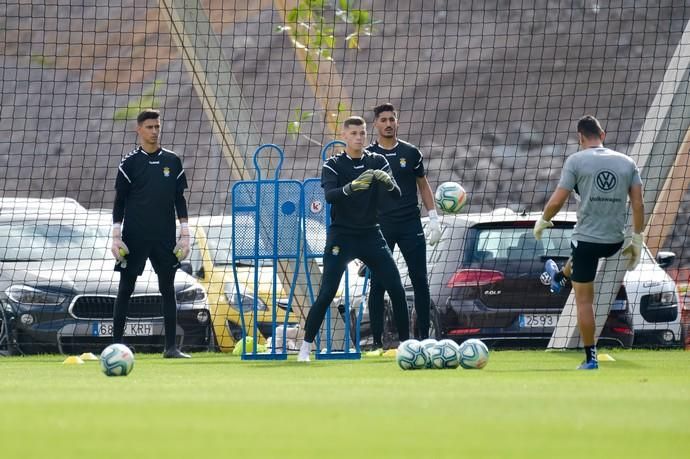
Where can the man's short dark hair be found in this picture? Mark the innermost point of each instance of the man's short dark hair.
(354, 121)
(589, 127)
(387, 107)
(148, 114)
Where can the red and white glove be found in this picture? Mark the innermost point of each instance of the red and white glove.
(183, 243)
(118, 248)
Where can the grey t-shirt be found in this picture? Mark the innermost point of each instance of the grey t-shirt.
(603, 178)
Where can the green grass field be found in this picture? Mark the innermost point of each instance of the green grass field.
(523, 404)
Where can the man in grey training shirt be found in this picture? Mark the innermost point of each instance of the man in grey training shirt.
(604, 179)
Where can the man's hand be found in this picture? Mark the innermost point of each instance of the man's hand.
(361, 183)
(434, 228)
(118, 248)
(385, 178)
(540, 226)
(181, 249)
(633, 251)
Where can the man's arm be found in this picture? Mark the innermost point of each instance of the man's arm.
(430, 205)
(555, 204)
(633, 249)
(426, 193)
(334, 193)
(637, 206)
(122, 187)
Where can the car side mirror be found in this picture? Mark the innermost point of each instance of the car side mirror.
(186, 266)
(664, 259)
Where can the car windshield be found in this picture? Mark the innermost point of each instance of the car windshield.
(219, 239)
(518, 244)
(52, 241)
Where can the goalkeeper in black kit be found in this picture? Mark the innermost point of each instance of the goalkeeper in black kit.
(351, 181)
(149, 192)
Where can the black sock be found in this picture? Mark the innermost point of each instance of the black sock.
(591, 353)
(559, 276)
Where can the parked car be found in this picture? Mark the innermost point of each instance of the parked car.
(60, 287)
(211, 262)
(485, 283)
(34, 205)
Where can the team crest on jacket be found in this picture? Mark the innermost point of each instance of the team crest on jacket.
(166, 171)
(335, 250)
(403, 162)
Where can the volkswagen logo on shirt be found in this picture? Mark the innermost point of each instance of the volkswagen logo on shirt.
(606, 181)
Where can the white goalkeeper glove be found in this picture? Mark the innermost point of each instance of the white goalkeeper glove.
(118, 248)
(633, 251)
(540, 226)
(181, 249)
(434, 228)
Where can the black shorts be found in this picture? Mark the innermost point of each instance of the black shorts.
(160, 253)
(586, 258)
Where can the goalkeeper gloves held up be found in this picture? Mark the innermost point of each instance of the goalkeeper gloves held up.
(540, 226)
(633, 251)
(361, 183)
(385, 178)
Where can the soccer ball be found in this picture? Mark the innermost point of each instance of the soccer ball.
(249, 346)
(117, 360)
(451, 197)
(473, 354)
(444, 354)
(427, 344)
(410, 355)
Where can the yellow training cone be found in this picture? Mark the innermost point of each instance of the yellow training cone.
(606, 358)
(73, 360)
(390, 353)
(88, 356)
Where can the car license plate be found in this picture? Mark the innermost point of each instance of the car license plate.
(131, 329)
(538, 320)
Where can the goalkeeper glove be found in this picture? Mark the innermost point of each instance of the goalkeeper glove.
(540, 226)
(633, 251)
(385, 178)
(118, 248)
(181, 249)
(434, 228)
(361, 183)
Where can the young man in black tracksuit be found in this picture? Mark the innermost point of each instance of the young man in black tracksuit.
(148, 191)
(400, 221)
(351, 181)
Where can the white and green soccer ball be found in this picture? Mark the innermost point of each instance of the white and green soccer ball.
(474, 354)
(427, 344)
(117, 360)
(444, 354)
(410, 355)
(450, 197)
